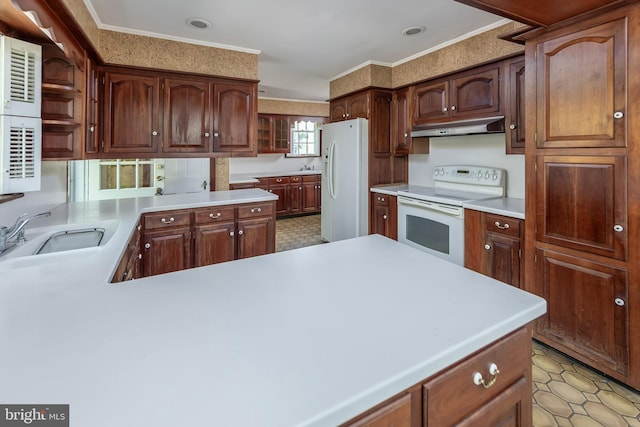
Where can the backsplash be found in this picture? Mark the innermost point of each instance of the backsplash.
(272, 163)
(484, 150)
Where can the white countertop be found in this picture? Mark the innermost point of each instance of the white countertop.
(242, 178)
(507, 206)
(391, 190)
(310, 337)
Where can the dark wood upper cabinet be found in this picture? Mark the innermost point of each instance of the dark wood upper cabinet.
(539, 13)
(431, 102)
(235, 118)
(471, 94)
(582, 203)
(515, 106)
(350, 107)
(187, 116)
(581, 85)
(63, 87)
(131, 113)
(401, 121)
(93, 122)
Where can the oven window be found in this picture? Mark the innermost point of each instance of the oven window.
(428, 233)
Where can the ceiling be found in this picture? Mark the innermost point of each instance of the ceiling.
(301, 46)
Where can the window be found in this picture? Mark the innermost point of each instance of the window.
(305, 139)
(112, 179)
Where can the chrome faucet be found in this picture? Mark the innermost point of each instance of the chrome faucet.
(17, 230)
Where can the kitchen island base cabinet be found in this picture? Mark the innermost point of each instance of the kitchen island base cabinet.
(491, 387)
(181, 239)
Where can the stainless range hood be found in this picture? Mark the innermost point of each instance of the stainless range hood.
(462, 127)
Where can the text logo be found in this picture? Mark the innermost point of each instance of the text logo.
(34, 415)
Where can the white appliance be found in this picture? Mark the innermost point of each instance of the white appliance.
(20, 123)
(345, 180)
(432, 218)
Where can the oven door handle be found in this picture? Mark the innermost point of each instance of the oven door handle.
(448, 210)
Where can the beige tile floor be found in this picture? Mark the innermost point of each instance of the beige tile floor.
(565, 392)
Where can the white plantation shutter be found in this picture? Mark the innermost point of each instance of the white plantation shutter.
(21, 153)
(21, 76)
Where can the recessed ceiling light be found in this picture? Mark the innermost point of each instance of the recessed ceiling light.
(412, 31)
(199, 23)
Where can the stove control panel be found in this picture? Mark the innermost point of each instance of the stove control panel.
(466, 174)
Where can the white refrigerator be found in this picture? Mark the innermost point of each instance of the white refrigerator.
(345, 180)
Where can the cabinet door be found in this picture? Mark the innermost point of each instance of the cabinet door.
(586, 308)
(431, 102)
(187, 116)
(381, 117)
(401, 137)
(92, 109)
(295, 195)
(235, 118)
(582, 203)
(567, 114)
(282, 204)
(131, 114)
(256, 237)
(281, 135)
(358, 106)
(310, 194)
(503, 258)
(166, 250)
(338, 110)
(514, 115)
(476, 94)
(265, 136)
(214, 243)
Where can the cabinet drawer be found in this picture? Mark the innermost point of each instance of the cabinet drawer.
(214, 214)
(502, 224)
(279, 180)
(255, 210)
(453, 395)
(381, 199)
(310, 178)
(166, 219)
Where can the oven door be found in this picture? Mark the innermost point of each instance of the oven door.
(434, 228)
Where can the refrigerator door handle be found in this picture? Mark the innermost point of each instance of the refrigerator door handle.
(332, 149)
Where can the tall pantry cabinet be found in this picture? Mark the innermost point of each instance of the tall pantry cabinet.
(583, 188)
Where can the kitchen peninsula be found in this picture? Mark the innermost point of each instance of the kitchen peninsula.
(310, 337)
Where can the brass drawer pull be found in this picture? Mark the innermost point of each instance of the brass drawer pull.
(501, 227)
(164, 221)
(256, 210)
(493, 370)
(212, 216)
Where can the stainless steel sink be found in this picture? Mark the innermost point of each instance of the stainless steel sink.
(72, 239)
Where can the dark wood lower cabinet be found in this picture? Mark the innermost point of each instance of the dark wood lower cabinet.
(384, 215)
(181, 239)
(166, 250)
(587, 311)
(214, 243)
(493, 246)
(256, 237)
(451, 397)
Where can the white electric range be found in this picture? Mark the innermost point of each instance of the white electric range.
(432, 218)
